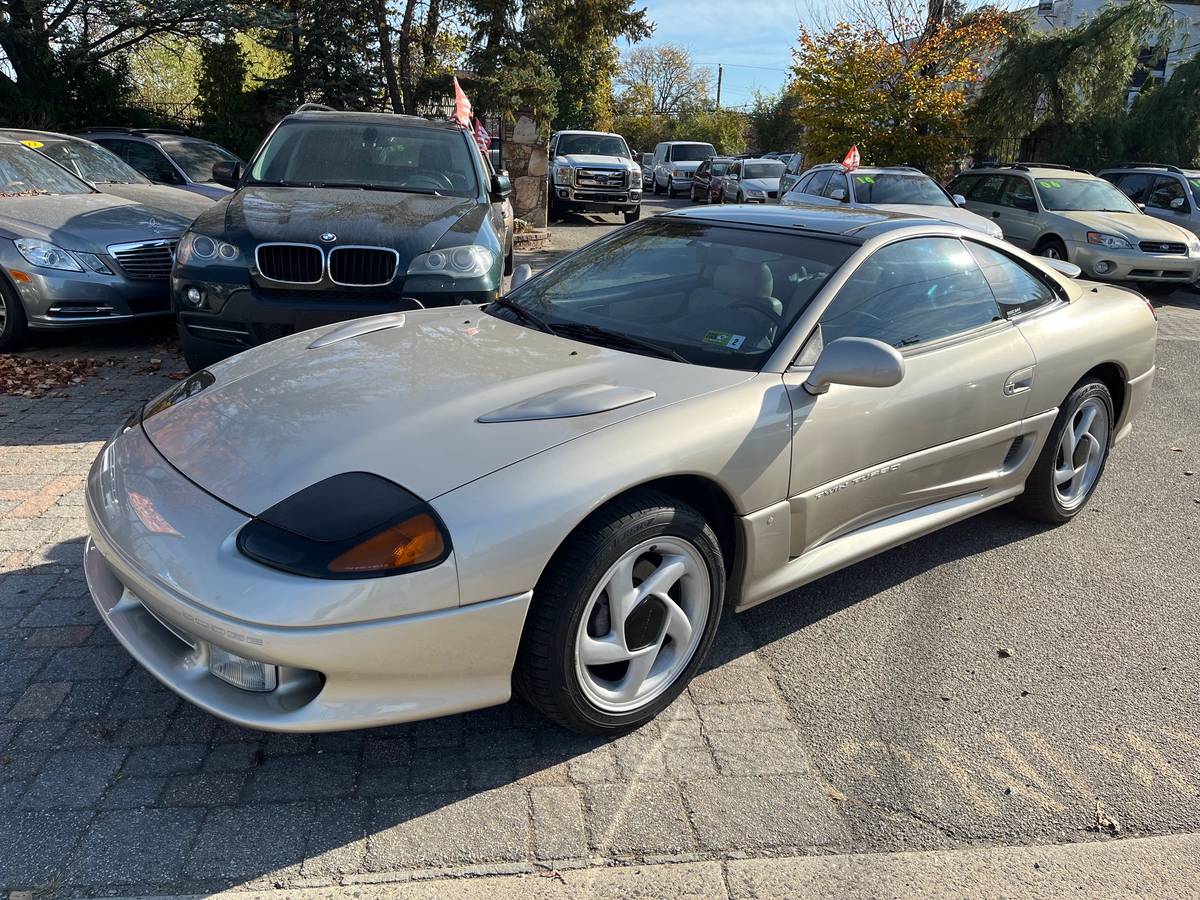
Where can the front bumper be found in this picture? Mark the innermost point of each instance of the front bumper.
(168, 581)
(59, 299)
(1133, 265)
(605, 200)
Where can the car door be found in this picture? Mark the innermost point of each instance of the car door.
(701, 178)
(151, 162)
(1019, 216)
(729, 182)
(863, 454)
(791, 174)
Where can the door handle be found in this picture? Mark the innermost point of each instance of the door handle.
(1019, 382)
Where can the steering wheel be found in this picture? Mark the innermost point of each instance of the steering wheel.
(777, 320)
(436, 181)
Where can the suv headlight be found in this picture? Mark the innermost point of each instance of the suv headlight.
(469, 261)
(202, 250)
(45, 255)
(755, 192)
(1111, 241)
(679, 173)
(562, 175)
(1194, 245)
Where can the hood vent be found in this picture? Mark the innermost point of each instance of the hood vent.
(356, 328)
(570, 401)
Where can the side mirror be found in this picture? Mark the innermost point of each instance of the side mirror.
(838, 194)
(1141, 206)
(959, 200)
(501, 187)
(1062, 266)
(227, 172)
(864, 362)
(520, 275)
(1178, 203)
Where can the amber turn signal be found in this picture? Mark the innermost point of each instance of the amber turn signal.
(413, 542)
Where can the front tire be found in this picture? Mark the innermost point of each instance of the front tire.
(657, 189)
(1073, 459)
(1052, 248)
(633, 215)
(623, 616)
(670, 189)
(13, 324)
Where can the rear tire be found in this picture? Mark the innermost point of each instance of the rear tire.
(1087, 414)
(14, 326)
(644, 538)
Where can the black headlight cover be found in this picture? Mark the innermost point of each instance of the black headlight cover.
(306, 533)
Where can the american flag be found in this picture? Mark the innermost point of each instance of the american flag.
(482, 138)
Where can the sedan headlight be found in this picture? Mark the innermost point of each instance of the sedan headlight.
(1194, 245)
(202, 250)
(1111, 241)
(562, 175)
(754, 192)
(355, 525)
(45, 255)
(469, 261)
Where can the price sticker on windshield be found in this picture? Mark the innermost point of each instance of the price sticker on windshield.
(34, 144)
(864, 179)
(1049, 183)
(725, 339)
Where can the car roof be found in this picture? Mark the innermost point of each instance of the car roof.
(585, 131)
(857, 223)
(31, 133)
(867, 170)
(1156, 168)
(1037, 171)
(376, 118)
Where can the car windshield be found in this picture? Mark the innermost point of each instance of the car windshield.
(692, 152)
(90, 161)
(196, 158)
(25, 173)
(763, 170)
(718, 168)
(714, 295)
(379, 156)
(1083, 195)
(592, 145)
(1194, 181)
(904, 190)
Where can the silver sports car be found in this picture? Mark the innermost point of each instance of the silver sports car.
(403, 516)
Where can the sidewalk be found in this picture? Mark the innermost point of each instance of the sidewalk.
(1162, 868)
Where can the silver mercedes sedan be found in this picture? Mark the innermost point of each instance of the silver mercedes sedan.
(405, 516)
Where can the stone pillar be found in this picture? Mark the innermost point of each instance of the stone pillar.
(527, 164)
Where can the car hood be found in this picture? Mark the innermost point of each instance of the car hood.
(88, 222)
(760, 184)
(683, 166)
(411, 223)
(160, 196)
(591, 160)
(404, 402)
(955, 215)
(1133, 226)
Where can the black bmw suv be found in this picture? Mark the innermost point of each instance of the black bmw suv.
(340, 215)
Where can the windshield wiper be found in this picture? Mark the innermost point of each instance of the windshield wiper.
(525, 315)
(617, 339)
(364, 186)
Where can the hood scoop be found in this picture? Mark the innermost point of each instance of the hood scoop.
(358, 327)
(570, 401)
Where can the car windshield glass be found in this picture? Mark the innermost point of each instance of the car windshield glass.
(384, 156)
(1194, 181)
(714, 295)
(718, 168)
(887, 187)
(196, 158)
(763, 170)
(692, 152)
(1083, 194)
(23, 172)
(592, 145)
(90, 161)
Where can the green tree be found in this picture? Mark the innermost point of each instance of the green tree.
(1164, 124)
(226, 111)
(725, 129)
(330, 48)
(775, 121)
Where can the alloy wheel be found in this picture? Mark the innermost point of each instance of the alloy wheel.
(1081, 452)
(1050, 251)
(3, 313)
(642, 624)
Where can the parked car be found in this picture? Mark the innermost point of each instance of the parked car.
(593, 171)
(896, 188)
(167, 157)
(707, 180)
(1165, 192)
(107, 173)
(751, 181)
(792, 173)
(646, 160)
(341, 215)
(675, 162)
(1070, 214)
(406, 516)
(71, 256)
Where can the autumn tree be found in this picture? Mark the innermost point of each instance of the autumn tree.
(899, 93)
(665, 79)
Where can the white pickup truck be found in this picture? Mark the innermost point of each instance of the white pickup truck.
(593, 171)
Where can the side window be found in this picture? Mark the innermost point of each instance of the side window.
(1017, 290)
(1135, 185)
(734, 170)
(553, 147)
(151, 163)
(817, 185)
(836, 181)
(117, 146)
(702, 169)
(987, 189)
(794, 164)
(659, 152)
(1166, 191)
(962, 185)
(911, 292)
(1016, 193)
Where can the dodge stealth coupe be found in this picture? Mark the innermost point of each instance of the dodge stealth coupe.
(405, 516)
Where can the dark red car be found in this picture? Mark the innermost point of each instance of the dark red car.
(707, 182)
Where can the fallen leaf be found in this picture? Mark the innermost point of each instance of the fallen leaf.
(1005, 652)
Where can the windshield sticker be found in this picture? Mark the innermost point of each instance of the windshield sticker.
(864, 179)
(1049, 183)
(33, 144)
(725, 339)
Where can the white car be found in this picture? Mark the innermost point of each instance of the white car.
(900, 189)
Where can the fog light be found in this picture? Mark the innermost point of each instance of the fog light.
(1103, 267)
(247, 674)
(563, 192)
(194, 295)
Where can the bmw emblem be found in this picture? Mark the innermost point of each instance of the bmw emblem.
(329, 237)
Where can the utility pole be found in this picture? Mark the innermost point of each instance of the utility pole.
(720, 73)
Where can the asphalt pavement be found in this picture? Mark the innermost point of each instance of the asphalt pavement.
(995, 684)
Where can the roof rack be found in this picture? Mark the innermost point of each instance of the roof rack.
(1026, 166)
(138, 132)
(314, 107)
(1146, 165)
